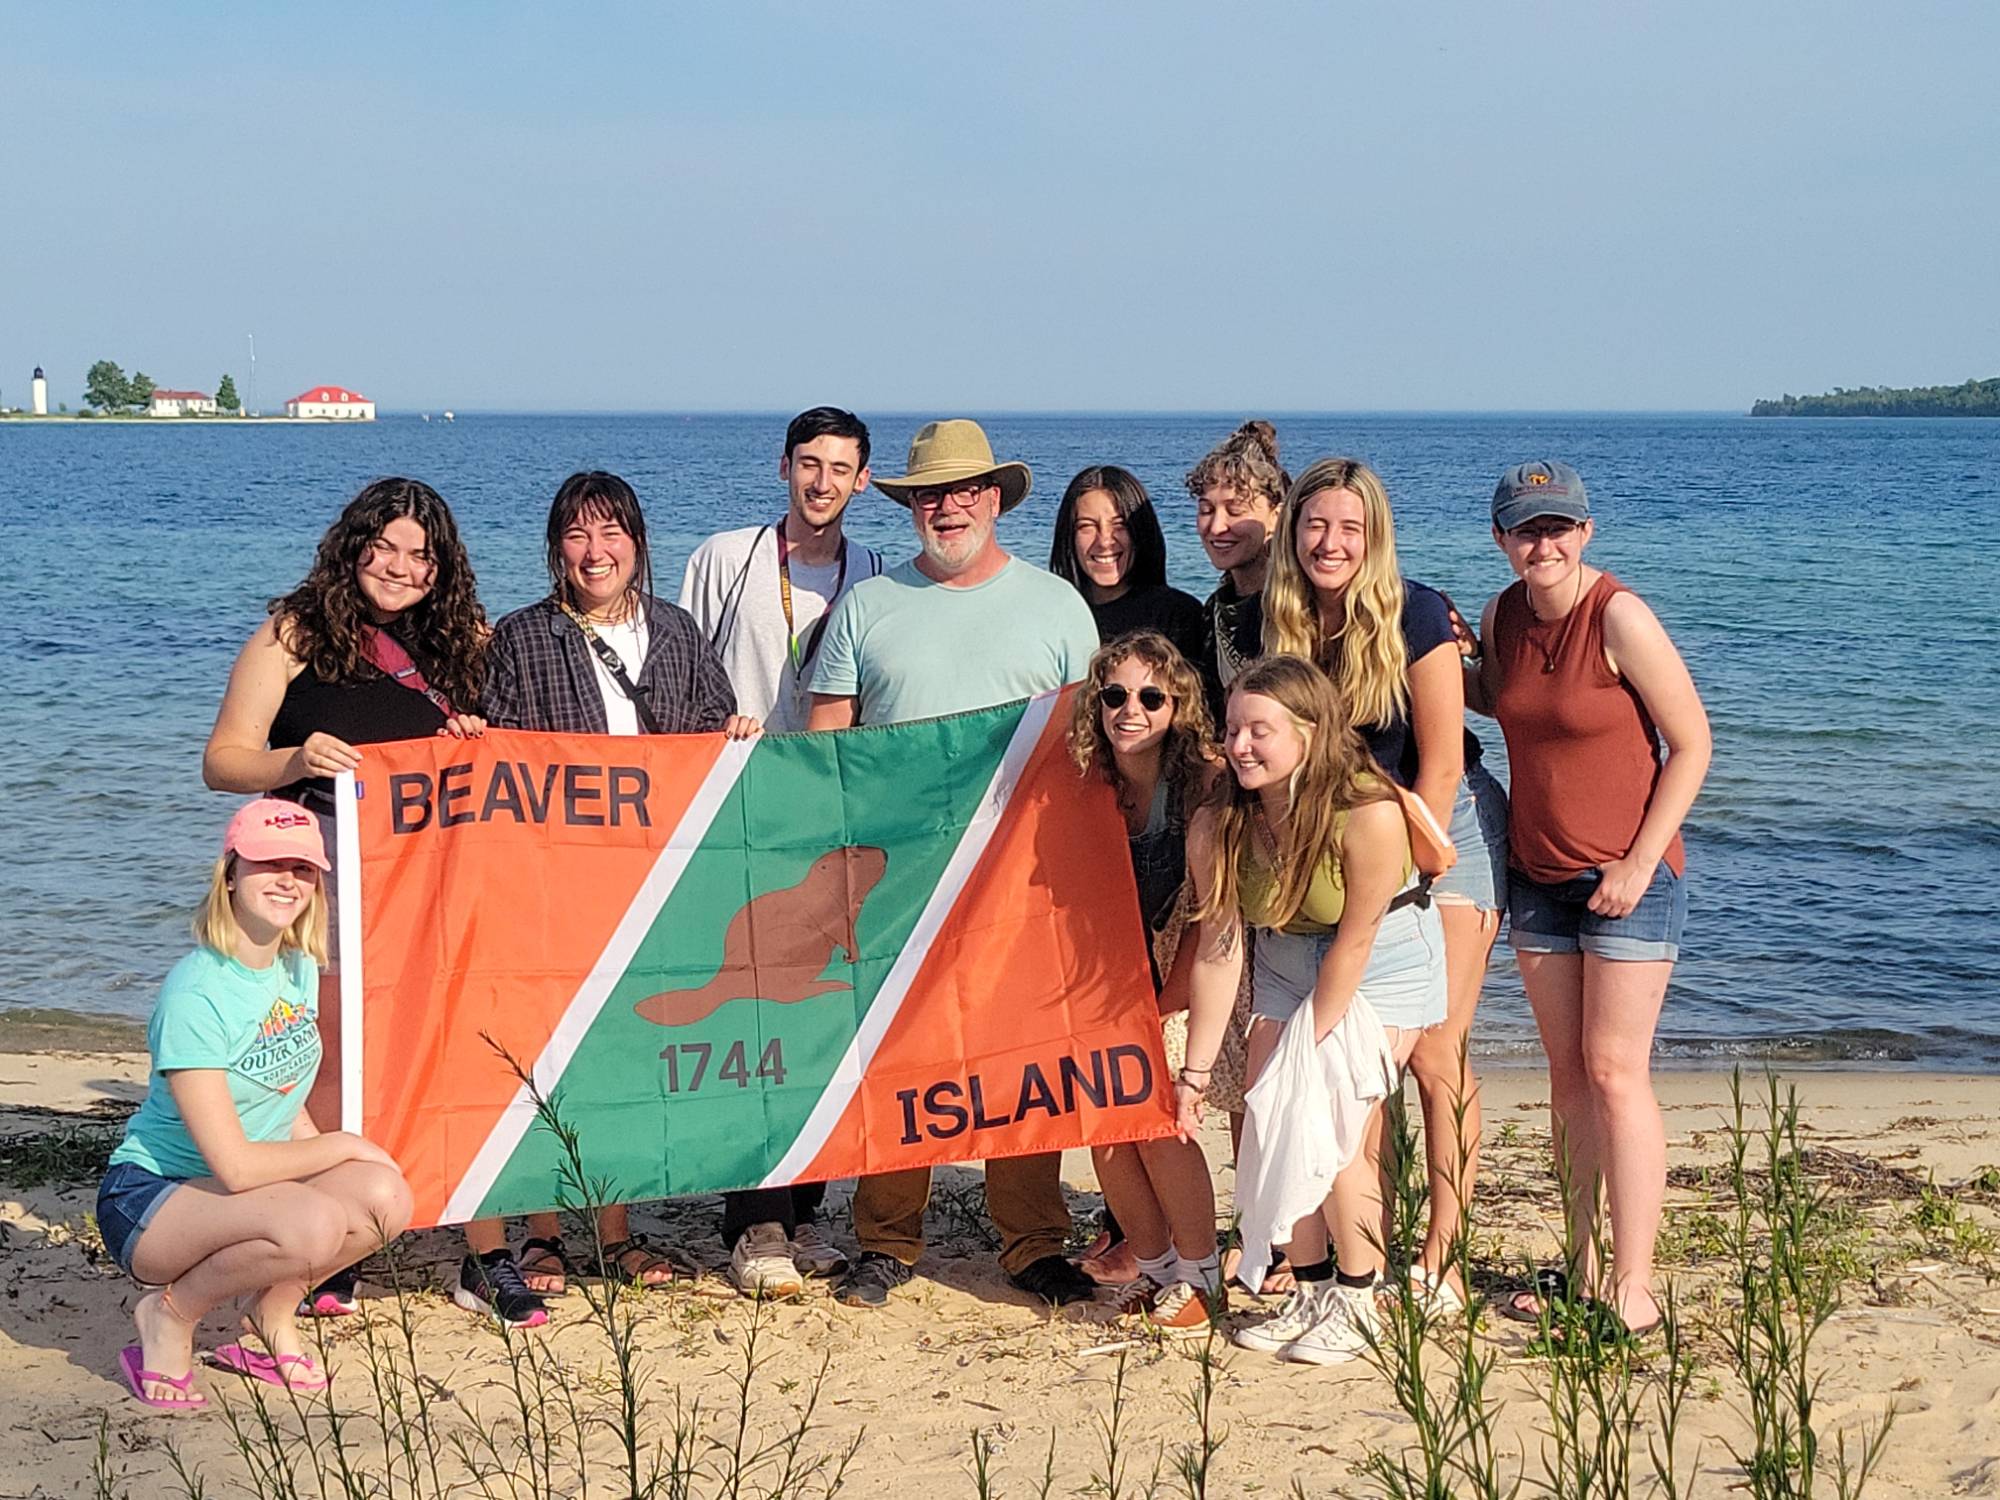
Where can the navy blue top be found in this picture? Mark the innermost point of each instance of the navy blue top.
(1426, 626)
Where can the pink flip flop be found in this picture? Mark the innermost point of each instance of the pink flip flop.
(138, 1379)
(270, 1368)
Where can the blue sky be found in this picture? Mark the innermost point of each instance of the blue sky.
(1020, 206)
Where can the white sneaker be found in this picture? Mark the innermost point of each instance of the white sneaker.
(1347, 1315)
(814, 1254)
(761, 1264)
(1298, 1312)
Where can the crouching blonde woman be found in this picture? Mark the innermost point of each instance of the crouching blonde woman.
(1309, 847)
(221, 1187)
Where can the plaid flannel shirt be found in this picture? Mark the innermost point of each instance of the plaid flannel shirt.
(540, 674)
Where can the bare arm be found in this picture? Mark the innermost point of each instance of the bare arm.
(1373, 852)
(834, 711)
(1637, 648)
(238, 757)
(1217, 968)
(240, 1164)
(1481, 679)
(1437, 723)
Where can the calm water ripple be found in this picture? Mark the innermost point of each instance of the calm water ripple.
(1835, 587)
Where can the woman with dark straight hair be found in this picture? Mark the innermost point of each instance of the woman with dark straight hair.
(1109, 545)
(599, 655)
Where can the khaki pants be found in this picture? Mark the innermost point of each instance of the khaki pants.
(1024, 1197)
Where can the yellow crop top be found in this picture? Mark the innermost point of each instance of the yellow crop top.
(1326, 896)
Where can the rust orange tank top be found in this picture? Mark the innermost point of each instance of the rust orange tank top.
(1583, 753)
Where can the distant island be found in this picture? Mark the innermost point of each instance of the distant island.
(1976, 398)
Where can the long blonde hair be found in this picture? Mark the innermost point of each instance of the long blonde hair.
(215, 925)
(1366, 657)
(1335, 775)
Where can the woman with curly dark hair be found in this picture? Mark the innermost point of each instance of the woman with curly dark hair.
(384, 640)
(1141, 724)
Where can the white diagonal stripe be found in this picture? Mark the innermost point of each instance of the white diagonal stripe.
(347, 944)
(853, 1065)
(597, 985)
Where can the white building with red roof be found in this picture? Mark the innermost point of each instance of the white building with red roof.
(333, 401)
(167, 403)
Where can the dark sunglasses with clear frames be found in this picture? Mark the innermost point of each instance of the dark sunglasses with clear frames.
(1113, 695)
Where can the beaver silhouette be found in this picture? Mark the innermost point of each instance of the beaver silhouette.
(777, 945)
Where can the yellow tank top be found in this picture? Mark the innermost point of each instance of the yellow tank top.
(1326, 895)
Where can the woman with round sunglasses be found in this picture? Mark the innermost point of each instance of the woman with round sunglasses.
(1591, 693)
(1109, 546)
(1337, 596)
(1141, 724)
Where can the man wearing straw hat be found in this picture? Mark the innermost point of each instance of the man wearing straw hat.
(963, 625)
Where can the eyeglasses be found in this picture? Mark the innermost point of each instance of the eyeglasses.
(1113, 695)
(965, 494)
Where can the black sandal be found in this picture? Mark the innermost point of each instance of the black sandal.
(677, 1266)
(545, 1251)
(1549, 1286)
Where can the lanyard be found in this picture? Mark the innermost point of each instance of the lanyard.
(800, 662)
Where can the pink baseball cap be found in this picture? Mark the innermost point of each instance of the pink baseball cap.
(270, 829)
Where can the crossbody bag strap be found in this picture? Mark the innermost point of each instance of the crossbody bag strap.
(616, 668)
(392, 659)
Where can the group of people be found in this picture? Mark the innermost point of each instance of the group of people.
(1321, 861)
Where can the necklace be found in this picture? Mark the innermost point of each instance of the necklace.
(1265, 835)
(1550, 658)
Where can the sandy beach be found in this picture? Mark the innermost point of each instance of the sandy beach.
(961, 1353)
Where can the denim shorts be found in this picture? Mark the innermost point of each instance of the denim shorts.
(1557, 918)
(1404, 979)
(127, 1199)
(1479, 830)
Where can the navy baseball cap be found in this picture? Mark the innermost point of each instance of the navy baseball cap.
(1540, 488)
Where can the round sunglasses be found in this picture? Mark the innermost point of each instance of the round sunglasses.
(1113, 695)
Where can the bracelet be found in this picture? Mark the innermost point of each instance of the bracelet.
(1190, 1068)
(1184, 1081)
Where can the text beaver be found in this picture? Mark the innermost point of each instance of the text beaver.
(580, 796)
(778, 944)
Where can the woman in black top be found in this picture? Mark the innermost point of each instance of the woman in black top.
(383, 640)
(1108, 544)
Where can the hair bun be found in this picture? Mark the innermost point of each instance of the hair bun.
(1261, 433)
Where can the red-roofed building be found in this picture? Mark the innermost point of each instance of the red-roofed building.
(167, 403)
(332, 401)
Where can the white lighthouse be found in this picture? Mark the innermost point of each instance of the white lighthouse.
(40, 399)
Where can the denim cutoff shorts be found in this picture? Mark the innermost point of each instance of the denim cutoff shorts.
(1558, 919)
(1479, 830)
(127, 1199)
(1404, 979)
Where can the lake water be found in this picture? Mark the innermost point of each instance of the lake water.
(1834, 585)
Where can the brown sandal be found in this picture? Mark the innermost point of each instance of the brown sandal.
(536, 1257)
(653, 1259)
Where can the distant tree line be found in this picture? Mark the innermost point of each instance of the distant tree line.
(107, 388)
(1976, 398)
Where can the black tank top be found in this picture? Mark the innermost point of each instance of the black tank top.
(367, 712)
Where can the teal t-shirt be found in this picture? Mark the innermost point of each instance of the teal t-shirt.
(911, 648)
(260, 1026)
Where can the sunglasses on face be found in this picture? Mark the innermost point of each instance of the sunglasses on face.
(1113, 695)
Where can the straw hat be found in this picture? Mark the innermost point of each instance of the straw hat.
(946, 452)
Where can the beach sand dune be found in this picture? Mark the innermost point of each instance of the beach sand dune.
(961, 1353)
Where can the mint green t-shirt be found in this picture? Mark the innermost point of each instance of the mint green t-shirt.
(259, 1026)
(911, 648)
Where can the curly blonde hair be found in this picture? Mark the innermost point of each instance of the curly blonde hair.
(1245, 461)
(1366, 657)
(1188, 754)
(1335, 775)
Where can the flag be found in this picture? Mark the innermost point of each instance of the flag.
(731, 965)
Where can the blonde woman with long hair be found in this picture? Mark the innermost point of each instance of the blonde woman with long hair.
(222, 1188)
(1337, 596)
(1308, 847)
